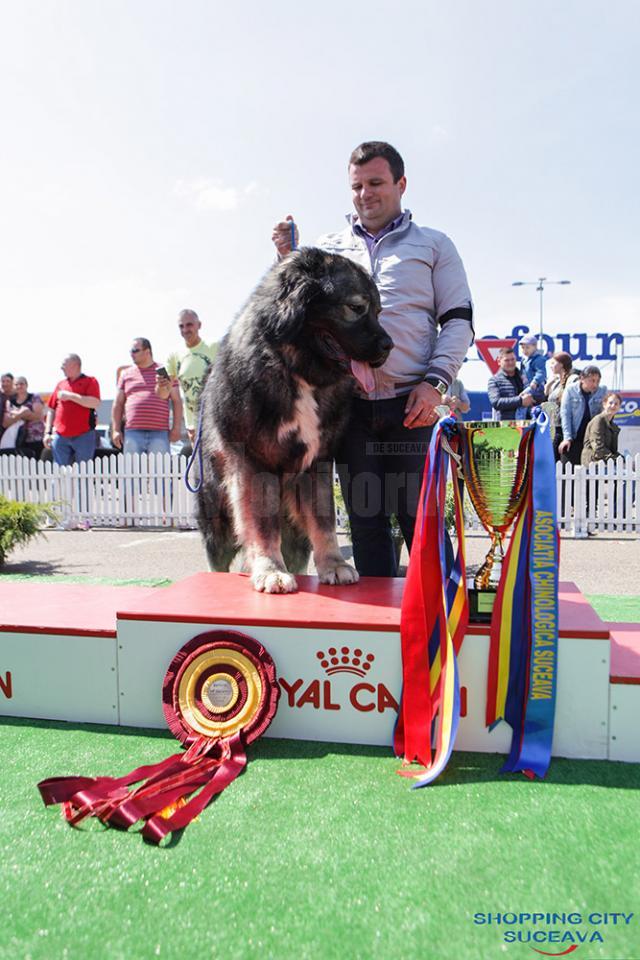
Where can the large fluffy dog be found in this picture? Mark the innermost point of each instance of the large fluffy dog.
(273, 409)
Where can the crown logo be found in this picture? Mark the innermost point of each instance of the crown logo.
(342, 660)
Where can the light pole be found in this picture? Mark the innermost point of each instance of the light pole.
(539, 285)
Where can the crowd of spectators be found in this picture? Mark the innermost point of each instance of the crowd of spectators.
(579, 407)
(146, 416)
(153, 402)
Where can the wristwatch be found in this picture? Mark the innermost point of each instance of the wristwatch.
(439, 384)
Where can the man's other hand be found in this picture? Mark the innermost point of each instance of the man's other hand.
(420, 409)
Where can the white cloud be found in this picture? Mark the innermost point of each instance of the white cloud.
(206, 194)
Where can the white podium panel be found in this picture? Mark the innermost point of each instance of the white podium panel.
(58, 677)
(343, 706)
(624, 722)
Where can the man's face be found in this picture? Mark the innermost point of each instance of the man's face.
(591, 383)
(377, 199)
(7, 385)
(508, 363)
(140, 355)
(70, 368)
(189, 328)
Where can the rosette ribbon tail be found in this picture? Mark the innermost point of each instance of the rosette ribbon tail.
(231, 765)
(162, 798)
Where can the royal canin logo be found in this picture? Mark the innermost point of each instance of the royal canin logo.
(321, 694)
(343, 661)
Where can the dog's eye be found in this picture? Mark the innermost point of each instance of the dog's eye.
(359, 309)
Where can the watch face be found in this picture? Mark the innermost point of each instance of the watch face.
(439, 385)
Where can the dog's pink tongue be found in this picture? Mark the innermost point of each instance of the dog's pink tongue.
(364, 375)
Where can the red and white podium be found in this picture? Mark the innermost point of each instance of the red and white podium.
(99, 654)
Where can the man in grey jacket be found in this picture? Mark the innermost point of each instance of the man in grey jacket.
(426, 309)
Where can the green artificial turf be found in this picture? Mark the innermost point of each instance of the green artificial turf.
(619, 609)
(316, 851)
(68, 578)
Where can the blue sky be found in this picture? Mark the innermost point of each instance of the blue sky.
(150, 146)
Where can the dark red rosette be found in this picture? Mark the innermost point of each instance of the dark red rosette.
(219, 692)
(218, 684)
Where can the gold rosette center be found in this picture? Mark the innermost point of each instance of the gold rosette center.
(220, 691)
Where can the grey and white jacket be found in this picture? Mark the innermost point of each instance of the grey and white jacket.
(426, 302)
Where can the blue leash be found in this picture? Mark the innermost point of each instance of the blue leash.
(196, 452)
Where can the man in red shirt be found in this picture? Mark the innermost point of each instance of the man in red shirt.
(72, 416)
(146, 416)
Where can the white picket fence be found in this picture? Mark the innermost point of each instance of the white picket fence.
(134, 490)
(602, 497)
(128, 490)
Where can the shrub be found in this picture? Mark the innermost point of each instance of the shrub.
(20, 522)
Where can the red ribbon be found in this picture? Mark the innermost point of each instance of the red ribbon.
(111, 800)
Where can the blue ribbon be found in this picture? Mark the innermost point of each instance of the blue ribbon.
(532, 692)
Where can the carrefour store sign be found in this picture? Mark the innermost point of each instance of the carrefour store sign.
(580, 346)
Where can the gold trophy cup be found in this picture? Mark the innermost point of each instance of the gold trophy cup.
(495, 461)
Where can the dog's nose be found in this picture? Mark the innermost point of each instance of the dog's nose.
(385, 343)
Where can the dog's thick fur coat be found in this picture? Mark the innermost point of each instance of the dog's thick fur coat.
(273, 409)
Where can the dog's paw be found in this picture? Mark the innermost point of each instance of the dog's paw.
(338, 573)
(275, 581)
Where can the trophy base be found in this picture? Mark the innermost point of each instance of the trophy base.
(480, 604)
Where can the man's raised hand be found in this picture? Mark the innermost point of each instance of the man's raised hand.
(281, 236)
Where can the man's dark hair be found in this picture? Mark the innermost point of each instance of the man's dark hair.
(505, 351)
(378, 148)
(590, 371)
(144, 343)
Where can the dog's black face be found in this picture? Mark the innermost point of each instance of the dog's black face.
(328, 306)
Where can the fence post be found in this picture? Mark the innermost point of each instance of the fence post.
(579, 503)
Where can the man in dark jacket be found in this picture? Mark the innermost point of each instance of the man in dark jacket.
(506, 390)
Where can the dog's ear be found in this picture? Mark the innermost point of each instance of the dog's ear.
(294, 284)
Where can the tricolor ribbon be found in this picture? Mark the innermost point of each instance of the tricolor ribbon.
(524, 629)
(432, 624)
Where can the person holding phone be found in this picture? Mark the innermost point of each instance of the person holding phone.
(147, 428)
(188, 367)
